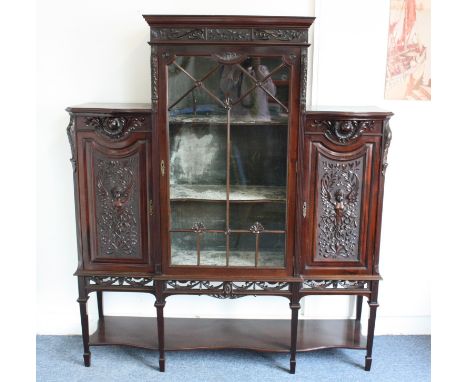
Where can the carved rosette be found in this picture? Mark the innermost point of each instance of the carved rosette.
(117, 207)
(343, 131)
(114, 127)
(257, 228)
(71, 141)
(339, 210)
(387, 139)
(198, 227)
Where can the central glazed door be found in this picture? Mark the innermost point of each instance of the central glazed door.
(229, 128)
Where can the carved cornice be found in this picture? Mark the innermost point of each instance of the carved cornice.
(114, 127)
(229, 34)
(343, 131)
(71, 140)
(387, 139)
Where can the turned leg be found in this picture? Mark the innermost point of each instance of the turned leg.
(358, 308)
(99, 304)
(373, 305)
(160, 317)
(82, 300)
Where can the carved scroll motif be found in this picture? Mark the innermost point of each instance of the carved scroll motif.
(387, 139)
(154, 76)
(339, 209)
(343, 131)
(117, 208)
(220, 34)
(120, 281)
(178, 33)
(335, 284)
(114, 127)
(71, 140)
(280, 34)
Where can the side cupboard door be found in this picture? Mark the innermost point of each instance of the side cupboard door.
(339, 208)
(115, 194)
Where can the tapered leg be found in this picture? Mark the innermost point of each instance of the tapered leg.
(82, 300)
(373, 305)
(160, 317)
(294, 322)
(358, 308)
(99, 304)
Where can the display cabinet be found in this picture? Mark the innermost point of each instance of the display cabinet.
(224, 185)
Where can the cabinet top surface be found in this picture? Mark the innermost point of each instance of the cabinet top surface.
(363, 111)
(231, 20)
(110, 108)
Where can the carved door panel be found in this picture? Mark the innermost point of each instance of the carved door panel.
(340, 191)
(115, 188)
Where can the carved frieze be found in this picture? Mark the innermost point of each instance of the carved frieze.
(119, 281)
(229, 34)
(299, 35)
(226, 289)
(117, 207)
(343, 131)
(114, 127)
(334, 284)
(220, 34)
(339, 209)
(178, 33)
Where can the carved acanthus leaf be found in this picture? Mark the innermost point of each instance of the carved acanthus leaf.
(387, 139)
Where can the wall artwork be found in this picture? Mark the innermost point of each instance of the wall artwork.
(408, 57)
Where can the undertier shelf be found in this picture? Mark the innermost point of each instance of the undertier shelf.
(260, 335)
(267, 259)
(182, 192)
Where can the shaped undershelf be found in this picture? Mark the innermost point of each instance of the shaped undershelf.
(187, 192)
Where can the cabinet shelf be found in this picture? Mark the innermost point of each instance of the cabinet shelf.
(196, 333)
(217, 193)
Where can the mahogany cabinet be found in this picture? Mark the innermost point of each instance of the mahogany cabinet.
(224, 185)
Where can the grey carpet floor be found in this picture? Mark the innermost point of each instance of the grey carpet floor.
(395, 358)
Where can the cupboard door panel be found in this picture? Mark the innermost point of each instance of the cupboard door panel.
(115, 180)
(339, 210)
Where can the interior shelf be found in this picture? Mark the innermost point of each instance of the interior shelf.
(221, 120)
(196, 333)
(181, 192)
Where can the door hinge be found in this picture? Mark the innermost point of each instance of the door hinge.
(151, 207)
(304, 209)
(163, 168)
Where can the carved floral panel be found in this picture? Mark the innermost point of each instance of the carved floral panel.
(117, 206)
(339, 209)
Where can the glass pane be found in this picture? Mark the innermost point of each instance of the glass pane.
(228, 133)
(271, 250)
(242, 250)
(183, 248)
(213, 249)
(270, 215)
